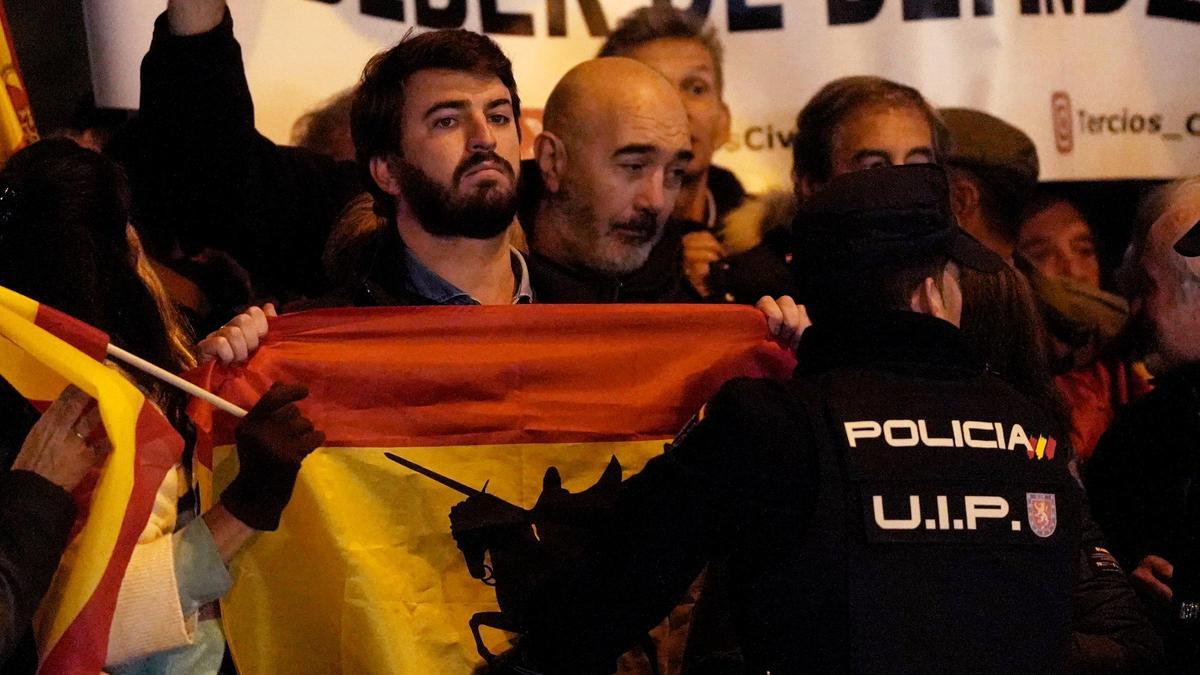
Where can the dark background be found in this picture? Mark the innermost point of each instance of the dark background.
(51, 45)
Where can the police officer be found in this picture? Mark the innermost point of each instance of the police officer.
(892, 508)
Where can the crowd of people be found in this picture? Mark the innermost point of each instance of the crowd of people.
(938, 300)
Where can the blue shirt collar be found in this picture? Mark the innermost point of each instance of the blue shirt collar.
(426, 283)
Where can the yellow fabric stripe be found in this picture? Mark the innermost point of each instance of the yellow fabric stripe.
(20, 305)
(1040, 451)
(363, 575)
(120, 402)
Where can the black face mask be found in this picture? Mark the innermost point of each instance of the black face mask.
(483, 214)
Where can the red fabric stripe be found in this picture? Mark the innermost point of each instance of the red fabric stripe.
(202, 414)
(496, 375)
(84, 646)
(87, 339)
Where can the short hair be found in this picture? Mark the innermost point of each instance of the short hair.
(375, 115)
(812, 149)
(660, 22)
(318, 129)
(1045, 198)
(886, 287)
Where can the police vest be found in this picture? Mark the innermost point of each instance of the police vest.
(944, 536)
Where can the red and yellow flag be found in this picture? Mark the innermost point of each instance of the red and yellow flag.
(16, 117)
(363, 575)
(41, 351)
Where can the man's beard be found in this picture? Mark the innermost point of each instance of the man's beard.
(618, 248)
(484, 213)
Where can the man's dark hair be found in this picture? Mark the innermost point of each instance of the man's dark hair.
(659, 22)
(832, 295)
(376, 114)
(815, 125)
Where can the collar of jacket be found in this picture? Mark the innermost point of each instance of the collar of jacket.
(385, 283)
(893, 340)
(557, 283)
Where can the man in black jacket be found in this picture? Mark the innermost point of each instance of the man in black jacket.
(1142, 477)
(611, 160)
(893, 508)
(435, 125)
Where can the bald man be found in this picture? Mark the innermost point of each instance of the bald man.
(612, 156)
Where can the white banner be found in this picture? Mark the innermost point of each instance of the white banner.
(1106, 88)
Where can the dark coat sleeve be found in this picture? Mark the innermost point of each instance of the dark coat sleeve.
(684, 508)
(35, 521)
(1137, 478)
(1111, 631)
(204, 177)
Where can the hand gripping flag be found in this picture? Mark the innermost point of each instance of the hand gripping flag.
(363, 575)
(41, 351)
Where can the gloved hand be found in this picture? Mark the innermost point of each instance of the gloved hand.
(272, 440)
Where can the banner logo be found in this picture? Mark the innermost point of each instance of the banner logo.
(1043, 517)
(1064, 122)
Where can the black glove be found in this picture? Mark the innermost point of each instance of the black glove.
(272, 440)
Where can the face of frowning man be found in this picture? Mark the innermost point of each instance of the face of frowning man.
(1060, 243)
(689, 66)
(621, 181)
(460, 153)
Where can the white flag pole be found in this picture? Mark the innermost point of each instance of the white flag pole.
(174, 380)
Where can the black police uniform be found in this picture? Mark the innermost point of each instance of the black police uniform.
(894, 508)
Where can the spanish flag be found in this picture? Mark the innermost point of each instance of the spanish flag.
(16, 118)
(41, 351)
(363, 575)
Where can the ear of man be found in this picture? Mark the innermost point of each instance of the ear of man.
(382, 174)
(551, 155)
(927, 298)
(964, 195)
(804, 186)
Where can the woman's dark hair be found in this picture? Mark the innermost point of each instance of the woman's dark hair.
(65, 241)
(1003, 328)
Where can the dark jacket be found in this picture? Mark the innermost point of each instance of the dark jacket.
(749, 273)
(754, 479)
(204, 177)
(35, 521)
(381, 282)
(659, 280)
(1142, 480)
(1110, 628)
